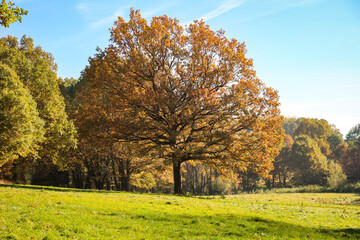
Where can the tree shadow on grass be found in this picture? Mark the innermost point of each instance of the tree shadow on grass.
(171, 223)
(56, 189)
(356, 201)
(230, 226)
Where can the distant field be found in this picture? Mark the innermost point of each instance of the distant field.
(28, 212)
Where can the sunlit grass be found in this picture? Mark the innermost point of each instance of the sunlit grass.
(57, 213)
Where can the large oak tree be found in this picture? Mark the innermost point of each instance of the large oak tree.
(187, 93)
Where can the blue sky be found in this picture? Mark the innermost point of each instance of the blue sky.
(309, 50)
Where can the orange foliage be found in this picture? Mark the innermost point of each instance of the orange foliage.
(186, 93)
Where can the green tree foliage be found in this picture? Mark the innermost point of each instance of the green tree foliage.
(351, 162)
(336, 175)
(307, 161)
(290, 125)
(36, 70)
(351, 156)
(326, 136)
(68, 87)
(282, 171)
(319, 130)
(334, 141)
(21, 128)
(9, 13)
(354, 134)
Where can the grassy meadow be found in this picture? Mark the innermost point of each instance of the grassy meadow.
(30, 212)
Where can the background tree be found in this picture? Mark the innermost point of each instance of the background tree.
(200, 179)
(351, 156)
(351, 162)
(190, 93)
(318, 130)
(336, 175)
(282, 163)
(290, 125)
(354, 134)
(9, 13)
(308, 163)
(21, 128)
(36, 70)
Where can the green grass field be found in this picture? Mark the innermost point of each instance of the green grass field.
(28, 212)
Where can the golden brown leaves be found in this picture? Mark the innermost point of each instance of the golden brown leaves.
(189, 92)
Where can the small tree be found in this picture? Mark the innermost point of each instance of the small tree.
(336, 175)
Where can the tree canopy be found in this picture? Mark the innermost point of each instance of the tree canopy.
(308, 161)
(21, 128)
(188, 93)
(354, 134)
(35, 69)
(9, 13)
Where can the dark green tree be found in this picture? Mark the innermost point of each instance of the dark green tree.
(354, 134)
(281, 173)
(351, 158)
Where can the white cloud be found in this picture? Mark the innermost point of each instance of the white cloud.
(97, 14)
(81, 6)
(107, 21)
(223, 8)
(277, 6)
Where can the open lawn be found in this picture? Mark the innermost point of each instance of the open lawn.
(29, 212)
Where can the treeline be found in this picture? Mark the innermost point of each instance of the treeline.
(39, 143)
(161, 98)
(34, 127)
(315, 153)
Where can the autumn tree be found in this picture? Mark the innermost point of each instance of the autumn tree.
(100, 158)
(188, 93)
(9, 13)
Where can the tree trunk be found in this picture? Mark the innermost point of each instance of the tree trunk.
(125, 183)
(211, 190)
(177, 177)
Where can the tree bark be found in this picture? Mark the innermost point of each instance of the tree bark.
(177, 177)
(125, 183)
